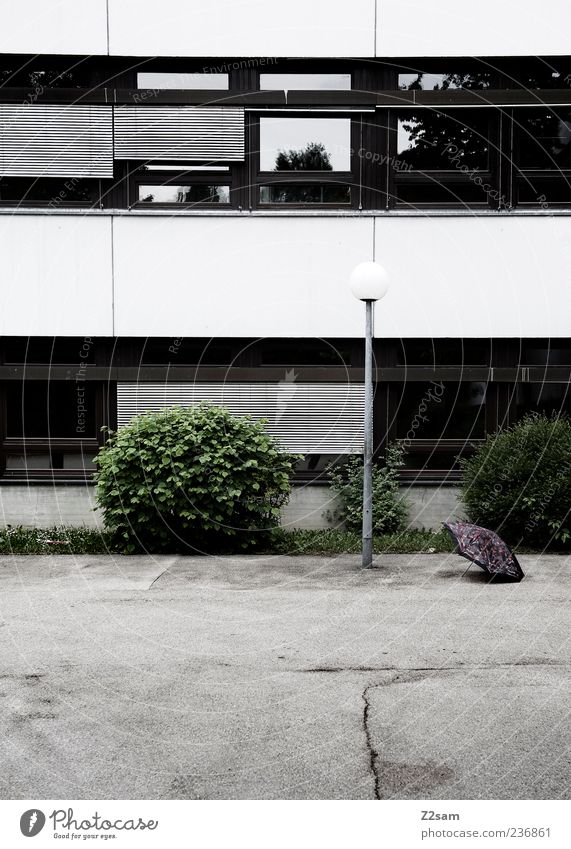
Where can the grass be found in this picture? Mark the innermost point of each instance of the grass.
(345, 542)
(70, 540)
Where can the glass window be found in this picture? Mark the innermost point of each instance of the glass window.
(152, 79)
(306, 354)
(305, 144)
(544, 137)
(198, 193)
(58, 409)
(441, 410)
(305, 193)
(429, 140)
(542, 352)
(59, 350)
(52, 191)
(543, 191)
(457, 193)
(305, 82)
(181, 351)
(421, 81)
(443, 352)
(543, 398)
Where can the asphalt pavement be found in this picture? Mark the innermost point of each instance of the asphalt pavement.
(282, 678)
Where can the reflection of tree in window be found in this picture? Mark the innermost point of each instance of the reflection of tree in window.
(428, 140)
(442, 82)
(313, 157)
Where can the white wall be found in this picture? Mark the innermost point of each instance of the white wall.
(269, 29)
(55, 276)
(343, 28)
(476, 276)
(485, 28)
(278, 276)
(238, 276)
(53, 26)
(242, 28)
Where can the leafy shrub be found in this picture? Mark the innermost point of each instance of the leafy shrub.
(518, 482)
(195, 478)
(389, 509)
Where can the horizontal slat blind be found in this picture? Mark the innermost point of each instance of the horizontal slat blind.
(179, 133)
(310, 418)
(56, 141)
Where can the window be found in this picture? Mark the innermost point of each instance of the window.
(305, 161)
(436, 141)
(58, 409)
(152, 79)
(305, 82)
(445, 159)
(302, 193)
(443, 352)
(37, 350)
(51, 428)
(421, 81)
(545, 398)
(187, 194)
(183, 185)
(441, 410)
(305, 144)
(543, 138)
(51, 191)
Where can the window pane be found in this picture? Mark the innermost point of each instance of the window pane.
(181, 351)
(152, 79)
(59, 409)
(48, 190)
(305, 144)
(544, 138)
(542, 191)
(307, 354)
(542, 352)
(434, 192)
(437, 410)
(441, 82)
(302, 193)
(443, 352)
(199, 193)
(431, 140)
(543, 398)
(45, 350)
(305, 82)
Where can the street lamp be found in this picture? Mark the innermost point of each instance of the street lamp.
(369, 282)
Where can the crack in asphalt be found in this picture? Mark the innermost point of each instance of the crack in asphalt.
(373, 753)
(456, 668)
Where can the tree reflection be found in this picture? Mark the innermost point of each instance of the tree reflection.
(313, 157)
(443, 82)
(434, 138)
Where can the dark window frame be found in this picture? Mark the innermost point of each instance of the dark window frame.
(446, 177)
(265, 178)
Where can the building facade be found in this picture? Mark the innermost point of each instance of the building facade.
(185, 189)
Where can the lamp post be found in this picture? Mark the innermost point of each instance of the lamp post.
(369, 282)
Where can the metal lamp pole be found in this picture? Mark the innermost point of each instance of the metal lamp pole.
(369, 283)
(368, 441)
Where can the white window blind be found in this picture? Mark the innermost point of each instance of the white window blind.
(179, 133)
(56, 141)
(309, 418)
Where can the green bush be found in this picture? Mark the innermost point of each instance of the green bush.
(198, 479)
(389, 510)
(518, 482)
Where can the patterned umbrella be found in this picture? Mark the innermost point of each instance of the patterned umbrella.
(485, 548)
